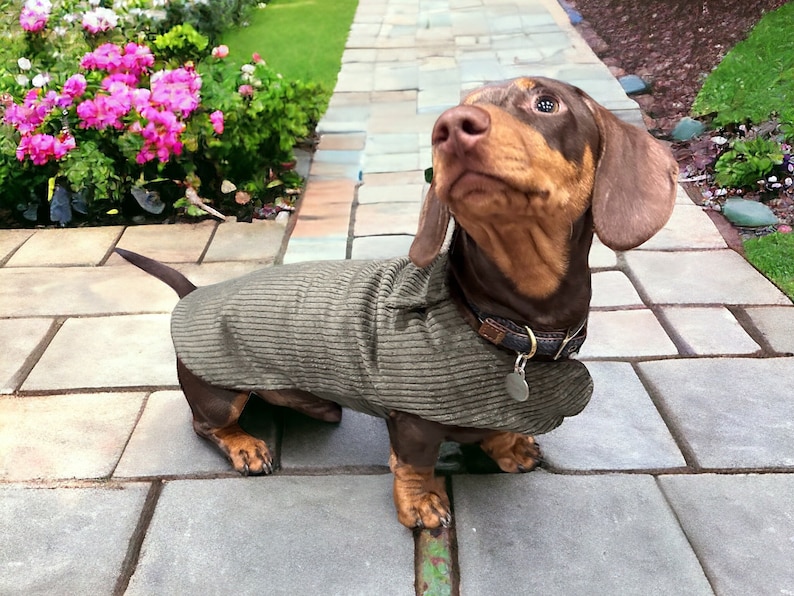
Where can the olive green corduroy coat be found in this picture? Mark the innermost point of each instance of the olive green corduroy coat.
(373, 336)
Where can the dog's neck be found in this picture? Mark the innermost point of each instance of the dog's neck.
(483, 285)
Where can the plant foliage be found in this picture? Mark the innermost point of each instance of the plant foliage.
(747, 162)
(755, 80)
(104, 107)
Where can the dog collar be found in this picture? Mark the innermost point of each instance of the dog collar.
(523, 340)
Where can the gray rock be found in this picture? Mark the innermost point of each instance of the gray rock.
(634, 85)
(687, 128)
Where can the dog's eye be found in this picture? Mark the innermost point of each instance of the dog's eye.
(546, 104)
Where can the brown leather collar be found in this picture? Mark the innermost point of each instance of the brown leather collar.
(509, 335)
(523, 340)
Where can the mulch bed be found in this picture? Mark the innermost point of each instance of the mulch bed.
(674, 45)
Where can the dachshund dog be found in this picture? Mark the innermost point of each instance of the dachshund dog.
(468, 338)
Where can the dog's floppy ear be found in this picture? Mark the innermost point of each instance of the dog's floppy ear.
(635, 182)
(433, 223)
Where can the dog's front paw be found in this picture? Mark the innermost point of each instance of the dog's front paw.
(246, 453)
(420, 498)
(512, 452)
(425, 510)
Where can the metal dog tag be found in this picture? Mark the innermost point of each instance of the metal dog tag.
(515, 382)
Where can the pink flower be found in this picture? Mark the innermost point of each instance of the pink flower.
(34, 110)
(246, 90)
(34, 15)
(42, 147)
(256, 58)
(100, 19)
(220, 52)
(784, 229)
(74, 86)
(176, 90)
(217, 122)
(136, 58)
(106, 111)
(105, 57)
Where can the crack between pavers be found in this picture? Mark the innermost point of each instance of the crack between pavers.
(130, 562)
(23, 372)
(699, 559)
(683, 445)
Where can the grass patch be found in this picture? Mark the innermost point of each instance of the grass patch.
(773, 255)
(301, 39)
(755, 80)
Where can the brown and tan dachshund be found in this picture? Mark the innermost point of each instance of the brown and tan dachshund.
(527, 169)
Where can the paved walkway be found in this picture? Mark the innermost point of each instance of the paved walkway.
(677, 479)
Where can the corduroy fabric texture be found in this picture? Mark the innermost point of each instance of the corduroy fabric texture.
(373, 336)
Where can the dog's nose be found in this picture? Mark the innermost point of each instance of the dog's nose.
(459, 129)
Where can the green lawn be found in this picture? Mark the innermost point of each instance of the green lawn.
(301, 39)
(756, 77)
(774, 256)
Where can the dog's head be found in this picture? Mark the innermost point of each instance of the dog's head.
(519, 163)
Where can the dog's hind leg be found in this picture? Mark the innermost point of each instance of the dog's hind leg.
(512, 452)
(215, 415)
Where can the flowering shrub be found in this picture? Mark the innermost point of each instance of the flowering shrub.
(96, 105)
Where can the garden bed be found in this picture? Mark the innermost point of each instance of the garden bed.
(140, 114)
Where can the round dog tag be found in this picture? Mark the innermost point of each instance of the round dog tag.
(516, 386)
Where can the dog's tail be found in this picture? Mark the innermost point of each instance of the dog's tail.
(181, 284)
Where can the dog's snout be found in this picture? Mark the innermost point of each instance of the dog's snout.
(458, 130)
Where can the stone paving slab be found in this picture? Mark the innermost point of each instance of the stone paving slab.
(701, 277)
(259, 241)
(688, 228)
(386, 218)
(358, 441)
(626, 334)
(620, 429)
(164, 443)
(731, 412)
(65, 436)
(66, 540)
(107, 352)
(403, 193)
(159, 241)
(68, 247)
(777, 326)
(601, 256)
(613, 289)
(741, 527)
(710, 331)
(19, 338)
(277, 535)
(10, 240)
(381, 247)
(566, 535)
(74, 291)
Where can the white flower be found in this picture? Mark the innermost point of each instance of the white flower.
(41, 79)
(248, 69)
(22, 80)
(23, 63)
